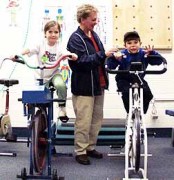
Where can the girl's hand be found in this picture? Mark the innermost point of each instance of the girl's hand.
(13, 57)
(26, 52)
(73, 57)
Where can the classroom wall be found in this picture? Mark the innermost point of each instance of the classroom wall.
(28, 29)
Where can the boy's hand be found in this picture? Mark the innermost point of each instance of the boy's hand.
(148, 49)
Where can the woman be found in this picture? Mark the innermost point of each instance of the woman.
(88, 81)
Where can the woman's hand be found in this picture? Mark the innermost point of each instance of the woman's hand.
(118, 55)
(110, 52)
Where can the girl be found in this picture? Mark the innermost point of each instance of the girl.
(47, 52)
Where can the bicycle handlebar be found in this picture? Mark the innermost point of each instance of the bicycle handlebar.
(21, 60)
(18, 60)
(164, 62)
(11, 59)
(158, 71)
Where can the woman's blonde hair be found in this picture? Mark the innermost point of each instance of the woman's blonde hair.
(84, 11)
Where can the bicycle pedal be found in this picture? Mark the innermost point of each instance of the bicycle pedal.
(64, 119)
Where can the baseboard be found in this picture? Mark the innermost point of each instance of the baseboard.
(159, 132)
(156, 132)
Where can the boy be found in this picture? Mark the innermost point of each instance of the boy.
(133, 52)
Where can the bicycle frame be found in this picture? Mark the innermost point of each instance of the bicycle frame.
(41, 123)
(5, 120)
(135, 123)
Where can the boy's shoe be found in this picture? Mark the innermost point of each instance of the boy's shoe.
(62, 114)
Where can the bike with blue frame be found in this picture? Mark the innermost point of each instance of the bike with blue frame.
(38, 107)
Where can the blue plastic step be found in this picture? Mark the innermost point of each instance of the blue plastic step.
(108, 135)
(118, 140)
(101, 137)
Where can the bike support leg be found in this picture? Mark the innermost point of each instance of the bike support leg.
(126, 156)
(145, 153)
(8, 154)
(49, 120)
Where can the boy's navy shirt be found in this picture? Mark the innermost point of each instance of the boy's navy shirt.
(126, 60)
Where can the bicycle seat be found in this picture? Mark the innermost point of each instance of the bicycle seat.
(169, 112)
(9, 82)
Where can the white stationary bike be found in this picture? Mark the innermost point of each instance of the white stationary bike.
(136, 145)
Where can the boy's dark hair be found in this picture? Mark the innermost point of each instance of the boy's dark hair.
(132, 35)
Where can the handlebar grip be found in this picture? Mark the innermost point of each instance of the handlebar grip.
(113, 71)
(164, 61)
(157, 56)
(70, 56)
(19, 61)
(16, 57)
(156, 72)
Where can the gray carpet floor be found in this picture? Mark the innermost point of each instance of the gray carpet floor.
(160, 164)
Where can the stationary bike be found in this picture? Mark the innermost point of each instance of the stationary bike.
(38, 107)
(136, 133)
(5, 122)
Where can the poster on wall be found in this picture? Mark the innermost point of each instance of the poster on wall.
(24, 21)
(65, 14)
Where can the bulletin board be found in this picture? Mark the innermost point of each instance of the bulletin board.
(152, 19)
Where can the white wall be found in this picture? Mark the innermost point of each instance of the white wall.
(28, 30)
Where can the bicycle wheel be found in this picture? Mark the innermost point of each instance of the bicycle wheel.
(136, 146)
(5, 125)
(39, 140)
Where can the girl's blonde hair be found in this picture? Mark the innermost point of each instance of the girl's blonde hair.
(50, 24)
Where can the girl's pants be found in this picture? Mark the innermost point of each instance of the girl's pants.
(60, 86)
